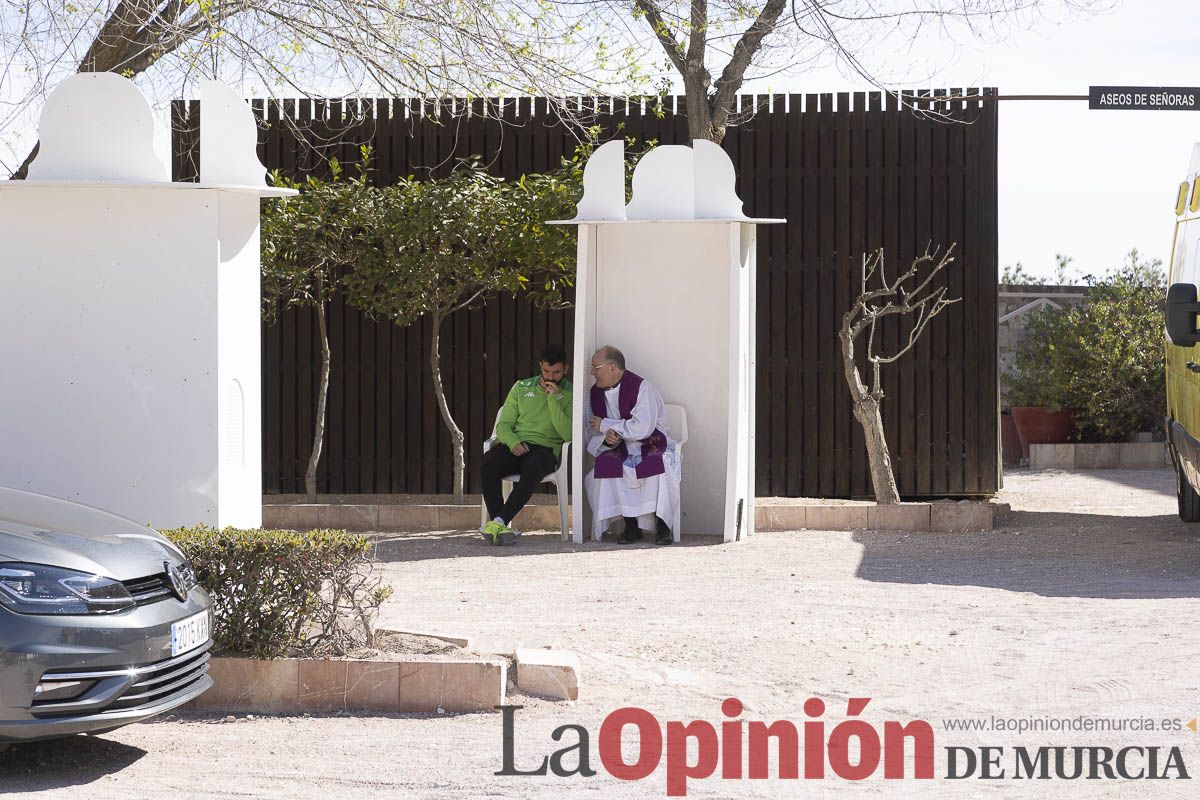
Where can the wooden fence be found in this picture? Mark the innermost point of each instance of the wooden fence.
(850, 172)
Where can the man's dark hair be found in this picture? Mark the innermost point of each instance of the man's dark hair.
(554, 354)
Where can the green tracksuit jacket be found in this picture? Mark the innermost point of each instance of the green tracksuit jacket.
(532, 416)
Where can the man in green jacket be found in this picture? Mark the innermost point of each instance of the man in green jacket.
(534, 423)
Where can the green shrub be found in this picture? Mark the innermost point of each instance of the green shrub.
(1104, 358)
(283, 593)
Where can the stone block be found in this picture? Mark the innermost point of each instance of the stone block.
(449, 638)
(1052, 456)
(452, 685)
(540, 518)
(960, 517)
(549, 673)
(781, 518)
(322, 685)
(349, 517)
(903, 517)
(291, 517)
(458, 518)
(248, 684)
(372, 685)
(836, 518)
(399, 517)
(1097, 456)
(1147, 455)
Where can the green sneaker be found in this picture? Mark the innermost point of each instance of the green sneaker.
(507, 536)
(491, 531)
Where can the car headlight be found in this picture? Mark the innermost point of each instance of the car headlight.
(39, 589)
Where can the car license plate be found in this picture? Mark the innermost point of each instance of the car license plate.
(190, 633)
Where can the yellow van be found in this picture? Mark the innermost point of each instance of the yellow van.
(1183, 357)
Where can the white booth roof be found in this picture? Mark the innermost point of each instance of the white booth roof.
(97, 131)
(672, 183)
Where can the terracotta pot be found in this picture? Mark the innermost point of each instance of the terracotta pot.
(1036, 425)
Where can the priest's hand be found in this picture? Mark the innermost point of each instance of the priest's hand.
(594, 423)
(520, 449)
(612, 438)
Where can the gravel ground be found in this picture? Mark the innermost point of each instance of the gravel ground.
(1082, 604)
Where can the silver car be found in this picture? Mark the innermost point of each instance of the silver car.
(101, 621)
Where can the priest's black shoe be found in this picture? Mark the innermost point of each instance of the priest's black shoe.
(663, 534)
(632, 532)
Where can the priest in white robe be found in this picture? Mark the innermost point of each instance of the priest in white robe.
(637, 470)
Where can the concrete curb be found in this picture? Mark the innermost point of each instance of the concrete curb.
(1115, 455)
(783, 515)
(911, 517)
(292, 685)
(548, 673)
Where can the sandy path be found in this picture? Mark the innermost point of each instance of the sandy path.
(1084, 603)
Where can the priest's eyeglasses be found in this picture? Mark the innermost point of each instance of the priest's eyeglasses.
(595, 367)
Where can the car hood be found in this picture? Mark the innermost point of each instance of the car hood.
(38, 529)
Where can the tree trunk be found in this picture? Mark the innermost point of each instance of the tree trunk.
(866, 411)
(310, 475)
(699, 113)
(439, 391)
(23, 171)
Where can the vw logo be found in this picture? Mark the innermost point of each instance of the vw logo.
(178, 583)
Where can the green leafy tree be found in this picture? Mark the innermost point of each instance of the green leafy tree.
(308, 243)
(435, 247)
(1104, 359)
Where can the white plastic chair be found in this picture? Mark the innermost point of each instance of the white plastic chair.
(677, 422)
(558, 478)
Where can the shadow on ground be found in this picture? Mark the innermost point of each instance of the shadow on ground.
(1047, 553)
(57, 764)
(400, 547)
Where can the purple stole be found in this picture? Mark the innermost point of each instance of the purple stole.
(611, 463)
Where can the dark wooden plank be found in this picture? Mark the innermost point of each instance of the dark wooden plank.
(922, 352)
(828, 355)
(841, 275)
(938, 346)
(858, 243)
(772, 412)
(955, 315)
(341, 445)
(989, 434)
(414, 407)
(905, 458)
(812, 300)
(367, 425)
(880, 219)
(789, 264)
(271, 408)
(435, 469)
(970, 267)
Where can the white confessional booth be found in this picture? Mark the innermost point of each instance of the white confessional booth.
(129, 316)
(669, 279)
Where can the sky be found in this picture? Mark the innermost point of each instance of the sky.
(1089, 184)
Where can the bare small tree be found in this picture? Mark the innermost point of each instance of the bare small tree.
(908, 293)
